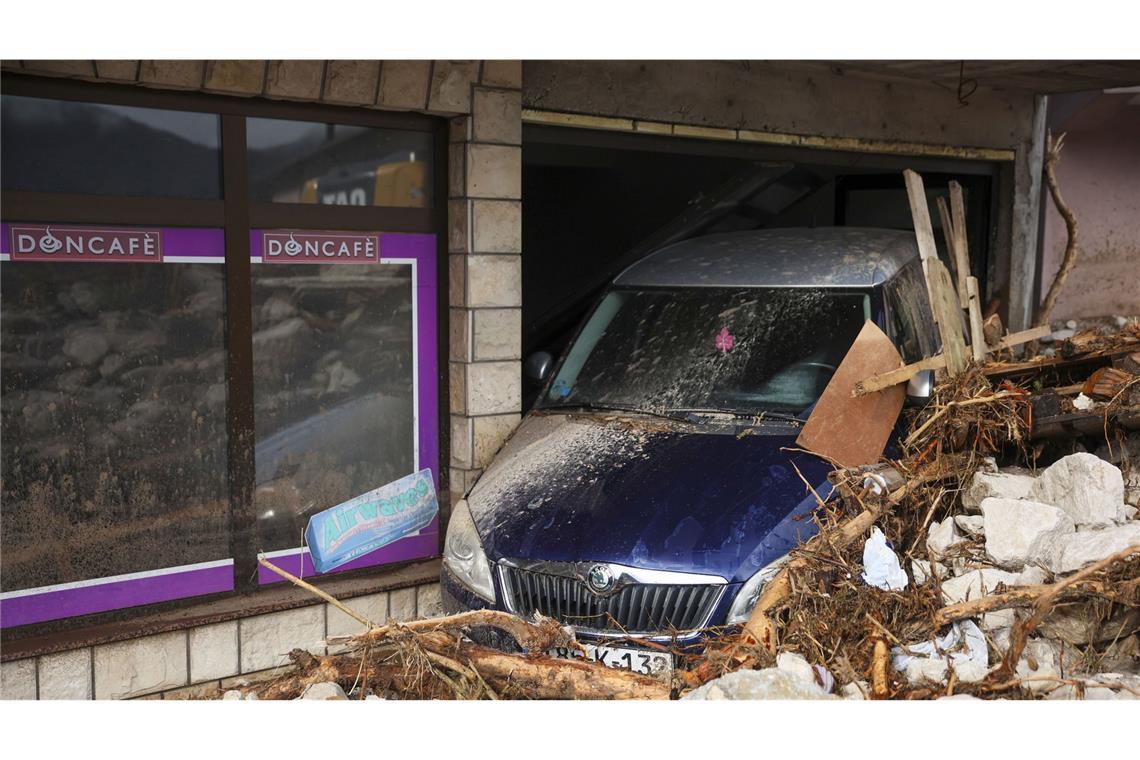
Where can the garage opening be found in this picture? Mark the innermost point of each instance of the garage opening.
(598, 201)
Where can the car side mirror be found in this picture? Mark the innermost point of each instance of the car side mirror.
(537, 367)
(920, 388)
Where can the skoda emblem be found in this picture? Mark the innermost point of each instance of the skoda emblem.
(601, 578)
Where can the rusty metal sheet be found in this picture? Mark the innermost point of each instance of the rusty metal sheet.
(853, 431)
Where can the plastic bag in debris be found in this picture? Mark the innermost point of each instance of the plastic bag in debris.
(881, 566)
(963, 643)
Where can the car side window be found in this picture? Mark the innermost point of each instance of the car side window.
(910, 316)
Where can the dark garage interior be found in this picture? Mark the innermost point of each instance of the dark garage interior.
(598, 201)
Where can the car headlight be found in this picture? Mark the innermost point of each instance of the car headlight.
(750, 592)
(463, 554)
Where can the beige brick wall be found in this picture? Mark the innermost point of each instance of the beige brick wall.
(199, 662)
(485, 245)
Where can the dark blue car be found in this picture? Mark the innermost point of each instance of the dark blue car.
(650, 493)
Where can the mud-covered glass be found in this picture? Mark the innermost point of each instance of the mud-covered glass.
(61, 146)
(338, 164)
(747, 351)
(113, 409)
(334, 379)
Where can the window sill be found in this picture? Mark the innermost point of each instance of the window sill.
(273, 599)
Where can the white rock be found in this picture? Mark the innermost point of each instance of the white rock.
(1098, 687)
(1065, 334)
(796, 665)
(921, 671)
(1132, 489)
(1020, 532)
(1044, 656)
(995, 484)
(920, 570)
(232, 694)
(972, 525)
(1090, 489)
(970, 672)
(770, 683)
(942, 536)
(854, 690)
(1087, 546)
(1071, 324)
(326, 690)
(1083, 402)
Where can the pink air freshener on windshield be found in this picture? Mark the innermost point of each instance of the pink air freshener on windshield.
(724, 340)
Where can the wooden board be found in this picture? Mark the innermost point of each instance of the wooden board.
(961, 249)
(853, 431)
(920, 212)
(947, 313)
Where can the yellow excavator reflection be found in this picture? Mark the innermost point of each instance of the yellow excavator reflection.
(396, 183)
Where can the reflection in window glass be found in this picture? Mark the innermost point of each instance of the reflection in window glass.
(113, 407)
(338, 164)
(92, 148)
(333, 379)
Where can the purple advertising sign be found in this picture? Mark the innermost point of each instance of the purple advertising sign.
(300, 247)
(39, 242)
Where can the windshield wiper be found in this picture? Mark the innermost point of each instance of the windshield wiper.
(758, 416)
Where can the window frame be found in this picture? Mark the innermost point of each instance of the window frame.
(237, 215)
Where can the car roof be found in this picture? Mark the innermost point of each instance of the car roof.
(824, 257)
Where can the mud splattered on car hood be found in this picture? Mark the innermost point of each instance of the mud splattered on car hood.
(641, 493)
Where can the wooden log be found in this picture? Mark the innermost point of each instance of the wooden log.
(977, 332)
(1026, 596)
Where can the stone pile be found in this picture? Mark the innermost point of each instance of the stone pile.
(1022, 530)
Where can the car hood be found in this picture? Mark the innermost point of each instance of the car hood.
(637, 491)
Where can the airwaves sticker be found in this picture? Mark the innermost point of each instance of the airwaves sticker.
(375, 519)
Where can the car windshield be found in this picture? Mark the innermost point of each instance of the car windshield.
(745, 351)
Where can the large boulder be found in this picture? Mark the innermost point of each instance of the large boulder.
(1020, 532)
(770, 683)
(1087, 546)
(1090, 489)
(998, 485)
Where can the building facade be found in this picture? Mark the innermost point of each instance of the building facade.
(238, 292)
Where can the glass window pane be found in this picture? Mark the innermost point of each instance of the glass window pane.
(113, 407)
(338, 164)
(92, 148)
(333, 388)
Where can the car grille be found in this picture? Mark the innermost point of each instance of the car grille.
(639, 608)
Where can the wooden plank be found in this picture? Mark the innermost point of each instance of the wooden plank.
(903, 374)
(947, 313)
(854, 431)
(948, 233)
(896, 376)
(977, 334)
(1017, 338)
(961, 249)
(920, 213)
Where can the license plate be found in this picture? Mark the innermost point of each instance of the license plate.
(641, 661)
